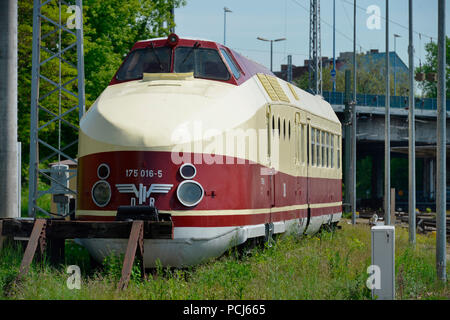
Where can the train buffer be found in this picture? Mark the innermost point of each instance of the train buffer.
(47, 236)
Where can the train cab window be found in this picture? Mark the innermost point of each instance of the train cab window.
(205, 63)
(148, 60)
(284, 129)
(234, 69)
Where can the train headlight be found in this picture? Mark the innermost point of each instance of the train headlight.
(188, 171)
(172, 39)
(190, 193)
(101, 193)
(103, 171)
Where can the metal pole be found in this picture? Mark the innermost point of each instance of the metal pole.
(172, 13)
(334, 45)
(395, 50)
(412, 136)
(271, 47)
(353, 187)
(224, 25)
(316, 44)
(387, 134)
(80, 62)
(225, 10)
(289, 69)
(441, 149)
(34, 147)
(8, 110)
(347, 122)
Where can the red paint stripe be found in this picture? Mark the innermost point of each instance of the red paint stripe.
(315, 212)
(235, 187)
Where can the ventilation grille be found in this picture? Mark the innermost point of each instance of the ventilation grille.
(291, 87)
(273, 87)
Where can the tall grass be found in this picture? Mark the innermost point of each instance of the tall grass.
(43, 202)
(324, 266)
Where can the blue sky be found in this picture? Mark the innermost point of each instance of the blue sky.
(290, 19)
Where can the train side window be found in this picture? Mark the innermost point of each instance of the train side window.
(305, 148)
(328, 150)
(318, 147)
(313, 147)
(279, 128)
(318, 162)
(302, 137)
(284, 129)
(332, 150)
(322, 148)
(300, 143)
(234, 69)
(273, 125)
(338, 151)
(289, 130)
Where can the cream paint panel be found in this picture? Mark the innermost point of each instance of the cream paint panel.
(106, 121)
(150, 114)
(221, 212)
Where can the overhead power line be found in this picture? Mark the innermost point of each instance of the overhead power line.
(329, 25)
(391, 21)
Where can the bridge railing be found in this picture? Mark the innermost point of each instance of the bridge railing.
(375, 100)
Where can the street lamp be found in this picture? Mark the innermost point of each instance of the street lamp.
(271, 47)
(225, 10)
(395, 57)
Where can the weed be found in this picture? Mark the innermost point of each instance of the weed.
(328, 265)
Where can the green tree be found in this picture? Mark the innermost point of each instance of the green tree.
(429, 88)
(111, 27)
(370, 78)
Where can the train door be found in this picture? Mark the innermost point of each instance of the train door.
(309, 162)
(270, 145)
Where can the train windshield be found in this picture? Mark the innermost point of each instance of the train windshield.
(147, 60)
(205, 63)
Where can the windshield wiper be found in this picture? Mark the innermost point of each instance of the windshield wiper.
(157, 57)
(196, 45)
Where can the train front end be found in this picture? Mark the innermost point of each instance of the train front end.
(139, 149)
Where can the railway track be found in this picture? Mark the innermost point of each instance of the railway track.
(425, 222)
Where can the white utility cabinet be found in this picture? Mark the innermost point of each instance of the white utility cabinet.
(383, 256)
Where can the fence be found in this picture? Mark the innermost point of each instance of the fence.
(375, 100)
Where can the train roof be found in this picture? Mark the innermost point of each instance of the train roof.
(247, 69)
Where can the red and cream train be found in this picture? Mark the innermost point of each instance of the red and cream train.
(215, 140)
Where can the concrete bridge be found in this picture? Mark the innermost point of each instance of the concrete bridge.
(370, 111)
